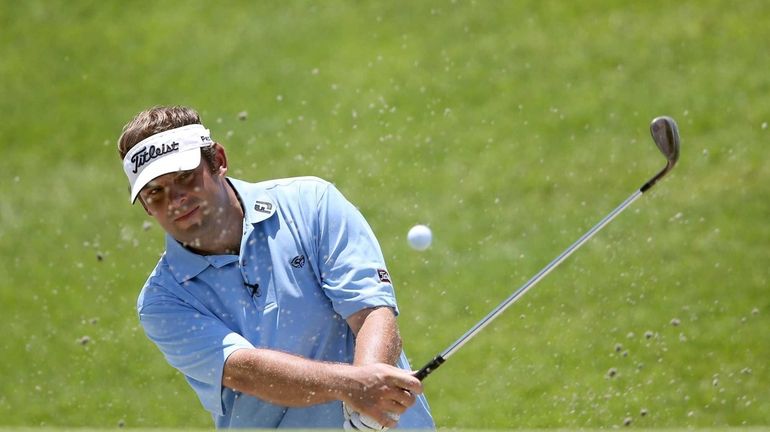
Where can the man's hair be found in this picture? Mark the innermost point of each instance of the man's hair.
(160, 119)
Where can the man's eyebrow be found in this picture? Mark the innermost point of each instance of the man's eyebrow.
(150, 184)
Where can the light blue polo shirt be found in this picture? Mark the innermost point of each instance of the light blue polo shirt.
(308, 261)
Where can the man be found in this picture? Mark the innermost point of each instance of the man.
(272, 298)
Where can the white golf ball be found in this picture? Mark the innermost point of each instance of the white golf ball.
(419, 237)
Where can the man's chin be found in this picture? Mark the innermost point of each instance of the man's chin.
(188, 233)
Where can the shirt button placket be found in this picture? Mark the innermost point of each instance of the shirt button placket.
(253, 287)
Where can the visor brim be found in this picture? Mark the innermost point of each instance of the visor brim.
(181, 161)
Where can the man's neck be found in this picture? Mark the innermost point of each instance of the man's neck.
(227, 239)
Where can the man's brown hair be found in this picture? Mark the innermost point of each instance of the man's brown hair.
(156, 120)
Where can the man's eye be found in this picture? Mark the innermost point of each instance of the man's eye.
(153, 193)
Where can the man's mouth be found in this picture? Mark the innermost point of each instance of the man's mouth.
(186, 214)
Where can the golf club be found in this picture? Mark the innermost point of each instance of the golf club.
(666, 136)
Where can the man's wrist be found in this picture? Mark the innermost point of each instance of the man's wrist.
(343, 386)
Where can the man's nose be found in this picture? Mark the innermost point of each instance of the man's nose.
(178, 196)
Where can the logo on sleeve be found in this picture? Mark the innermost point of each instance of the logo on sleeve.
(383, 275)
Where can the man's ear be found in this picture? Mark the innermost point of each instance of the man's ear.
(220, 160)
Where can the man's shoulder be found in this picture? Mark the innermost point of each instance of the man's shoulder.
(296, 182)
(293, 185)
(159, 284)
(285, 190)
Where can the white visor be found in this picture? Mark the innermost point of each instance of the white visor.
(169, 151)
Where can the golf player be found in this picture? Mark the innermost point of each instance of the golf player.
(272, 298)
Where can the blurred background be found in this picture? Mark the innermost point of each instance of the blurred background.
(509, 128)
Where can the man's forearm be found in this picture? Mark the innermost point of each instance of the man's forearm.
(285, 379)
(288, 380)
(371, 386)
(377, 336)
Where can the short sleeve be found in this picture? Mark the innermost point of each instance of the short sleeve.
(353, 271)
(196, 344)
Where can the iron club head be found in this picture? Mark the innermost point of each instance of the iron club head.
(666, 136)
(665, 133)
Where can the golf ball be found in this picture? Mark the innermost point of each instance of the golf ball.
(419, 237)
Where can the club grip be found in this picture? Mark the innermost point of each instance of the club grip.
(429, 367)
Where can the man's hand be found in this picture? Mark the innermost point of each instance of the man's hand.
(357, 421)
(381, 393)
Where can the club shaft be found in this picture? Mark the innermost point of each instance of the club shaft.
(666, 136)
(438, 360)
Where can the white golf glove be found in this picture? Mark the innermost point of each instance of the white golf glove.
(357, 421)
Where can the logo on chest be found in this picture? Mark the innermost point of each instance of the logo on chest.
(263, 206)
(298, 261)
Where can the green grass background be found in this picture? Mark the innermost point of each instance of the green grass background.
(509, 127)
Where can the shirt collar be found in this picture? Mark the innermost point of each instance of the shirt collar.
(257, 204)
(185, 264)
